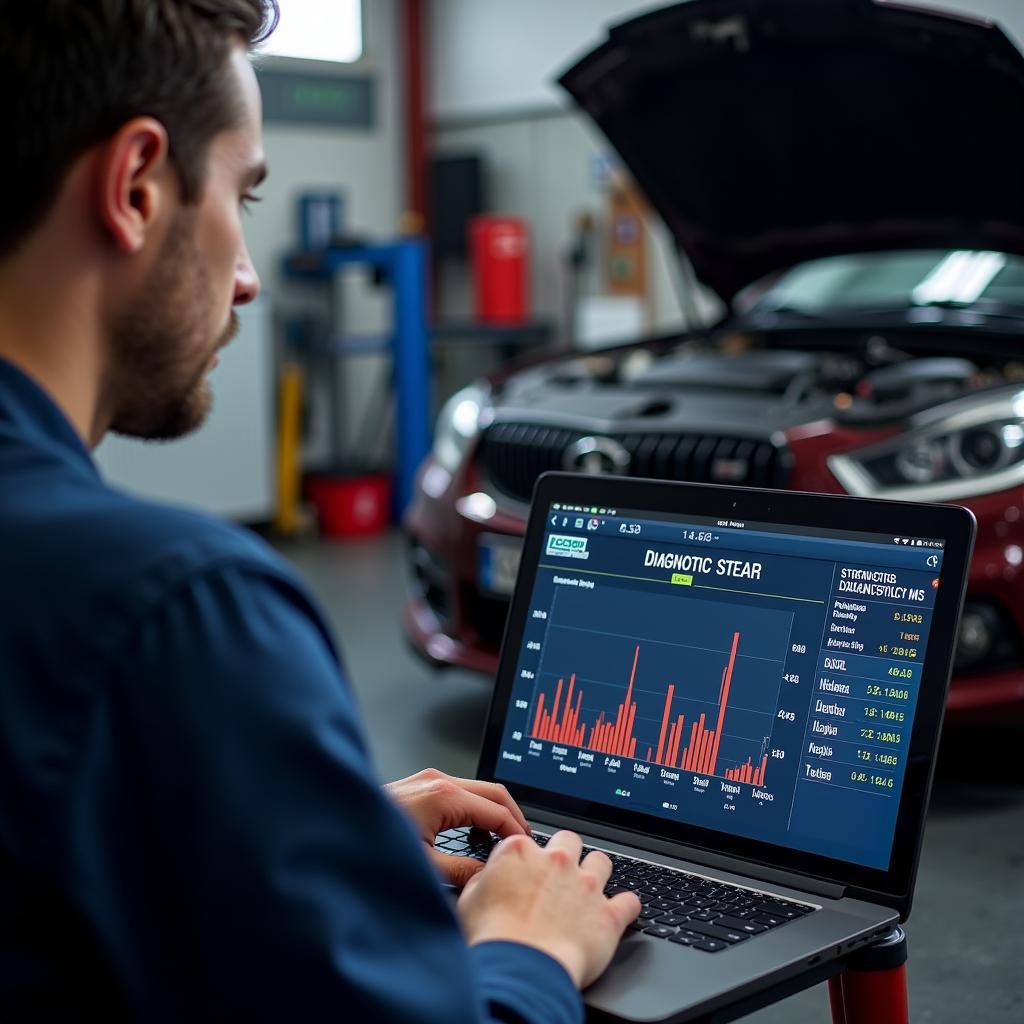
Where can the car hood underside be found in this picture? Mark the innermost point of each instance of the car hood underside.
(769, 132)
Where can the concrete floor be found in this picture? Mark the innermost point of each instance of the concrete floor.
(967, 930)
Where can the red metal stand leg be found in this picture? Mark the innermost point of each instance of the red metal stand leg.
(835, 1000)
(873, 990)
(870, 997)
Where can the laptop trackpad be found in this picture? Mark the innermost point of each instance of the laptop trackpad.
(653, 980)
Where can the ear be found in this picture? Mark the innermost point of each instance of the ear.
(135, 176)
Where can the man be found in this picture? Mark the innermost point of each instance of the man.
(189, 828)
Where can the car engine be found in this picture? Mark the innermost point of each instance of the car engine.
(701, 412)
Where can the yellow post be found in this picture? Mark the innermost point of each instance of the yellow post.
(286, 518)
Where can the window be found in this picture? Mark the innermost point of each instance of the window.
(318, 30)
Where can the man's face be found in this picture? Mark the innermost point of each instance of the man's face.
(165, 342)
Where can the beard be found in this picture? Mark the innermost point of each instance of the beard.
(160, 345)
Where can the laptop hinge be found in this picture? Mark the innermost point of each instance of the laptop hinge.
(761, 872)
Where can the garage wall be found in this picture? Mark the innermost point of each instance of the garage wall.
(366, 166)
(546, 167)
(491, 56)
(492, 66)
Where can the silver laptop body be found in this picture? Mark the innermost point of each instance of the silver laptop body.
(800, 771)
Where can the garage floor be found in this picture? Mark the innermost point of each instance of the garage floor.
(967, 931)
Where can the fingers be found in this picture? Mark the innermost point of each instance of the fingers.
(568, 841)
(499, 795)
(599, 865)
(455, 871)
(474, 880)
(467, 808)
(436, 801)
(626, 908)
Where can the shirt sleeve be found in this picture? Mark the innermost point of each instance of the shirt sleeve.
(232, 850)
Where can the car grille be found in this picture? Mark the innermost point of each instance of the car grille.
(515, 454)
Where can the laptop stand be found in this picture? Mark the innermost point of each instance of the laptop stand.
(868, 986)
(873, 986)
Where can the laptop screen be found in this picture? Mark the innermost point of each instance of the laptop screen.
(747, 677)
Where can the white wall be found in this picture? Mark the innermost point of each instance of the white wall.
(367, 167)
(491, 90)
(365, 164)
(496, 56)
(492, 67)
(491, 56)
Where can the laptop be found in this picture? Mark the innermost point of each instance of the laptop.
(737, 694)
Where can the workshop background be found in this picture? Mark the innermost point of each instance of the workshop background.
(433, 119)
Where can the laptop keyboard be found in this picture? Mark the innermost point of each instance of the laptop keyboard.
(687, 909)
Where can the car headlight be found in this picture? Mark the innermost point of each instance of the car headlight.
(458, 423)
(964, 448)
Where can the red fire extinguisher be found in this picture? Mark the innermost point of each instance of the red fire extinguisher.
(499, 248)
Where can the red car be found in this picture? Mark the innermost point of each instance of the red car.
(848, 176)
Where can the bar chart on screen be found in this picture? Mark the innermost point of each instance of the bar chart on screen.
(697, 693)
(697, 685)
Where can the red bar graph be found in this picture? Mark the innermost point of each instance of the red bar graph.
(615, 737)
(701, 754)
(748, 773)
(546, 726)
(664, 721)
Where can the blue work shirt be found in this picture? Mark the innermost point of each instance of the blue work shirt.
(190, 827)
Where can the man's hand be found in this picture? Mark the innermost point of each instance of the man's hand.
(436, 802)
(545, 898)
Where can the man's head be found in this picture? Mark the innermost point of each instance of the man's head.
(133, 130)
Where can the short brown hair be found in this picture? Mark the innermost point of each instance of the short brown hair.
(74, 71)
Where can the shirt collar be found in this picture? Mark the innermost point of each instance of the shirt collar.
(33, 413)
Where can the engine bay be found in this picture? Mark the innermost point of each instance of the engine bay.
(738, 382)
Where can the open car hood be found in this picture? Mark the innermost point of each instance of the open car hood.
(769, 132)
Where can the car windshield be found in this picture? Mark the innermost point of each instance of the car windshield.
(898, 280)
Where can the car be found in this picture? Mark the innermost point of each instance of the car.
(847, 176)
